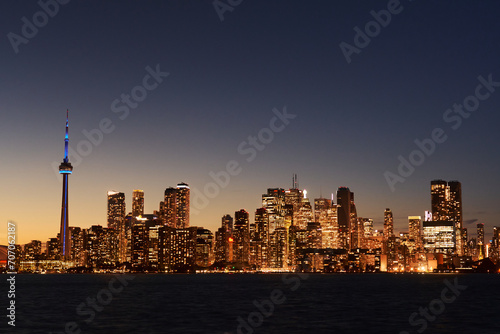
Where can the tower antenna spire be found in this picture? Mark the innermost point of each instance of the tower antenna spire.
(66, 138)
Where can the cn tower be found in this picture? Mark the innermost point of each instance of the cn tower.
(65, 169)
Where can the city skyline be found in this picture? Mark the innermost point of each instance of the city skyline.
(208, 89)
(284, 236)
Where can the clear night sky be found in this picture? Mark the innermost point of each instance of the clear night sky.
(353, 119)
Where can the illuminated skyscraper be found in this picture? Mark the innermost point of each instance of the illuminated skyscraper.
(293, 204)
(367, 227)
(414, 226)
(140, 242)
(455, 213)
(439, 237)
(439, 200)
(204, 250)
(305, 213)
(101, 246)
(169, 214)
(175, 207)
(314, 235)
(116, 221)
(137, 203)
(227, 226)
(241, 237)
(53, 249)
(496, 235)
(116, 209)
(65, 168)
(446, 201)
(155, 246)
(278, 248)
(180, 249)
(223, 253)
(259, 239)
(388, 224)
(344, 214)
(220, 246)
(182, 205)
(274, 202)
(480, 241)
(77, 236)
(495, 244)
(33, 250)
(465, 242)
(325, 213)
(356, 227)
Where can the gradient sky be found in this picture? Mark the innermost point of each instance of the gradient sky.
(352, 121)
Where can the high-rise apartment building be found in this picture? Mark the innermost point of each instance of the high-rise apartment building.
(174, 210)
(101, 246)
(33, 250)
(53, 249)
(78, 251)
(182, 204)
(168, 211)
(179, 249)
(140, 242)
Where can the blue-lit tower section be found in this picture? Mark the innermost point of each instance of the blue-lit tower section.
(65, 169)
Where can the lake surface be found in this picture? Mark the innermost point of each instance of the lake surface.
(257, 303)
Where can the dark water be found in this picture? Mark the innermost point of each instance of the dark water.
(337, 303)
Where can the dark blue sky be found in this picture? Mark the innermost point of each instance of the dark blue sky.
(352, 120)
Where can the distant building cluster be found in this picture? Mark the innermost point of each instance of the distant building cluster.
(288, 233)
